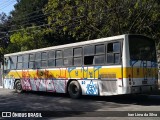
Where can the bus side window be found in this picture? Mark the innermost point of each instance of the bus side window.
(59, 60)
(38, 58)
(13, 60)
(58, 54)
(44, 55)
(51, 58)
(89, 55)
(99, 54)
(77, 56)
(25, 61)
(19, 63)
(44, 59)
(7, 63)
(68, 57)
(31, 61)
(113, 53)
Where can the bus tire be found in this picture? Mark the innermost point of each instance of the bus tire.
(74, 90)
(18, 86)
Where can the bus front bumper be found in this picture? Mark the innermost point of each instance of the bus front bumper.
(144, 89)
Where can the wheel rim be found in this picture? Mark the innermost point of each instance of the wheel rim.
(74, 89)
(18, 87)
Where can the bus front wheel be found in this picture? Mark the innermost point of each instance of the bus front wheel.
(74, 89)
(18, 86)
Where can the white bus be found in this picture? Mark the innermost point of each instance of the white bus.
(123, 64)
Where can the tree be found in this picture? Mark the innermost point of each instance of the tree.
(4, 38)
(70, 21)
(75, 18)
(89, 19)
(29, 38)
(28, 12)
(24, 33)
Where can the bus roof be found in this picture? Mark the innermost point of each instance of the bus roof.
(69, 45)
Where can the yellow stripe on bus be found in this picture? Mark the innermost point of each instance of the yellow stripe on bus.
(139, 72)
(83, 73)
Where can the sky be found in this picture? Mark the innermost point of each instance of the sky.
(7, 6)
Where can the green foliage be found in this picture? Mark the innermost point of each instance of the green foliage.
(74, 20)
(88, 19)
(29, 38)
(28, 12)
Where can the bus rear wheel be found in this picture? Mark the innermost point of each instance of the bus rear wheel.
(18, 86)
(74, 90)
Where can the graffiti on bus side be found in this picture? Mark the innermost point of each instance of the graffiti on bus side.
(44, 85)
(72, 72)
(54, 80)
(44, 80)
(84, 72)
(92, 88)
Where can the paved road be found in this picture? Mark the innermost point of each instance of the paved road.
(33, 101)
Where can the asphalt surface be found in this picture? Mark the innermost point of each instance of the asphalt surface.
(87, 107)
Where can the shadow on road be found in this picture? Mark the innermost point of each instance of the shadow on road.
(152, 99)
(41, 101)
(139, 99)
(57, 105)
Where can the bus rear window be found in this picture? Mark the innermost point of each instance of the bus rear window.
(142, 48)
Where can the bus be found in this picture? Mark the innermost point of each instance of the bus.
(117, 65)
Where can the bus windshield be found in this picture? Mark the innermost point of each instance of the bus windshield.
(142, 48)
